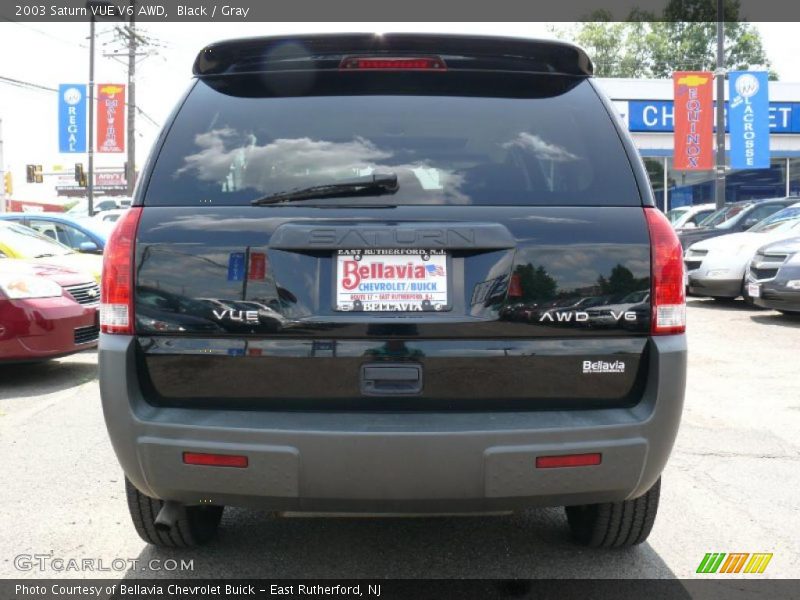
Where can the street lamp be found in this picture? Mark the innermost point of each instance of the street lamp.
(719, 188)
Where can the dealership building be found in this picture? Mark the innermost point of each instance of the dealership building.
(645, 106)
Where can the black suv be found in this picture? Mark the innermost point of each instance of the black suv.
(355, 278)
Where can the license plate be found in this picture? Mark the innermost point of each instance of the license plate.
(391, 280)
(753, 290)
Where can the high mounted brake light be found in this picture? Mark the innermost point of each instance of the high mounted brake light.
(668, 297)
(391, 51)
(116, 293)
(378, 63)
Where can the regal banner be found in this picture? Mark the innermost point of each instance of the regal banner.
(72, 118)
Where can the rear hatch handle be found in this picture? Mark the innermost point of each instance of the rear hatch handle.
(391, 379)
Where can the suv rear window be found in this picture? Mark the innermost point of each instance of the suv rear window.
(552, 144)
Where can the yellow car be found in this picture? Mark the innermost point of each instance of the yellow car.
(17, 241)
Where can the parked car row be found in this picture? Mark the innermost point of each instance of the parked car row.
(731, 254)
(100, 205)
(50, 268)
(734, 217)
(82, 235)
(773, 276)
(689, 217)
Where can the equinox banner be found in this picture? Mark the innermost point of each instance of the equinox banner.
(110, 117)
(748, 119)
(694, 116)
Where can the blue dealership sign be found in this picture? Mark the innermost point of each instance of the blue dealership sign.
(748, 119)
(71, 117)
(657, 116)
(651, 115)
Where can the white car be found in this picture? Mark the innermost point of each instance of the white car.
(109, 216)
(691, 217)
(675, 213)
(99, 204)
(716, 267)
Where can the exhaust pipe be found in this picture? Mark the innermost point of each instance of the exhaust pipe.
(169, 514)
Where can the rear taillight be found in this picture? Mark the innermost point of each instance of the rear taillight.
(668, 296)
(116, 295)
(406, 63)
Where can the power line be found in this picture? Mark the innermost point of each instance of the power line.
(45, 34)
(25, 84)
(36, 86)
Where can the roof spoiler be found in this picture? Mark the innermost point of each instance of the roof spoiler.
(325, 52)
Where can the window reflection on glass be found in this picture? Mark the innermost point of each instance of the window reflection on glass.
(227, 149)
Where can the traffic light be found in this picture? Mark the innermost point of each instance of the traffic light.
(8, 184)
(30, 177)
(80, 175)
(37, 174)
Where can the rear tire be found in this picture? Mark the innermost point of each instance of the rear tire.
(615, 524)
(196, 526)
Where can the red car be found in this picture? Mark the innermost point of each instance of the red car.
(46, 311)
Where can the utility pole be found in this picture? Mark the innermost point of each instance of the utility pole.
(134, 46)
(719, 189)
(90, 180)
(130, 173)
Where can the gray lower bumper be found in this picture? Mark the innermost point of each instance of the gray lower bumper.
(716, 288)
(392, 462)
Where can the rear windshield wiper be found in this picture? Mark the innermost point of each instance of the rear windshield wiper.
(371, 185)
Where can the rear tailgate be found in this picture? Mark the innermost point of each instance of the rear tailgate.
(250, 312)
(511, 269)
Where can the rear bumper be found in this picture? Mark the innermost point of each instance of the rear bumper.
(392, 462)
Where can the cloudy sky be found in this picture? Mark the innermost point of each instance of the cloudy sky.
(58, 53)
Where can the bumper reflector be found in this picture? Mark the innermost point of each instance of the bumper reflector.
(215, 460)
(568, 460)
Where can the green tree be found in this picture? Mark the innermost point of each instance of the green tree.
(645, 47)
(621, 282)
(537, 285)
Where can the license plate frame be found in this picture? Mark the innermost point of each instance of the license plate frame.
(754, 290)
(403, 282)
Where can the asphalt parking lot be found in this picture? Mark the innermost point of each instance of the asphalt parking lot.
(731, 486)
